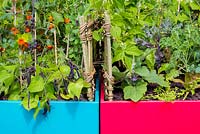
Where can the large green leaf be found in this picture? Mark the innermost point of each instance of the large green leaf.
(117, 20)
(75, 88)
(133, 50)
(135, 93)
(54, 75)
(142, 71)
(64, 70)
(30, 104)
(151, 77)
(11, 69)
(36, 85)
(155, 78)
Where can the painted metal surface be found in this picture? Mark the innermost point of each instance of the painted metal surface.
(149, 117)
(64, 118)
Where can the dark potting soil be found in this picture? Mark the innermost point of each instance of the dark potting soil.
(118, 95)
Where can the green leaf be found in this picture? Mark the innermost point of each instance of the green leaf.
(194, 6)
(51, 96)
(142, 71)
(75, 88)
(135, 93)
(172, 74)
(64, 70)
(37, 5)
(57, 17)
(96, 35)
(54, 75)
(33, 102)
(6, 78)
(86, 84)
(150, 60)
(182, 17)
(155, 78)
(133, 50)
(151, 77)
(117, 74)
(37, 110)
(36, 85)
(164, 67)
(11, 69)
(119, 55)
(66, 97)
(116, 32)
(117, 20)
(199, 19)
(14, 95)
(128, 62)
(27, 37)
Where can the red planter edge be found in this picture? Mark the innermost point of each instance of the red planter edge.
(149, 117)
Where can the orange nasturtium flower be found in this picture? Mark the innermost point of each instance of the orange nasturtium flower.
(21, 42)
(67, 20)
(27, 29)
(51, 26)
(26, 45)
(28, 17)
(50, 18)
(49, 47)
(14, 30)
(2, 49)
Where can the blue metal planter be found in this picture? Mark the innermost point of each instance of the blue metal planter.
(65, 117)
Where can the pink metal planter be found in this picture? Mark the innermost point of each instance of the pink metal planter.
(149, 117)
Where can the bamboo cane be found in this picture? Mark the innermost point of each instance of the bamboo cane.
(67, 49)
(90, 59)
(20, 51)
(34, 13)
(108, 55)
(179, 4)
(84, 44)
(55, 47)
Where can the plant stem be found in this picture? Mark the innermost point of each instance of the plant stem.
(55, 47)
(67, 50)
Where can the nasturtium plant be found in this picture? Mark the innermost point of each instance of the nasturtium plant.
(40, 52)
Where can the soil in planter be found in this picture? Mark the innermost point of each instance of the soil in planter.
(118, 95)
